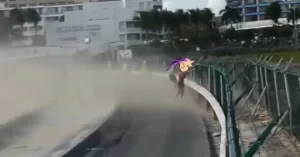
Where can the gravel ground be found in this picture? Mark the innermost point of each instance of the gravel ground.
(281, 144)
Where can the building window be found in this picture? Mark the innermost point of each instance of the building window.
(80, 7)
(52, 18)
(148, 36)
(52, 10)
(131, 24)
(40, 10)
(61, 18)
(12, 6)
(136, 14)
(133, 36)
(149, 5)
(247, 2)
(94, 34)
(122, 37)
(252, 18)
(262, 9)
(157, 7)
(51, 3)
(69, 39)
(122, 26)
(69, 8)
(250, 10)
(284, 7)
(141, 6)
(121, 47)
(263, 1)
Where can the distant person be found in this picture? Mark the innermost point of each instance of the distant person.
(180, 83)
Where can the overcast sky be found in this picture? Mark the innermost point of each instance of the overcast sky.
(214, 5)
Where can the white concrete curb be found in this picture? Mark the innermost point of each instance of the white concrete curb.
(212, 101)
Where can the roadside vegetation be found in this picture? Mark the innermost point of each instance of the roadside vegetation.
(12, 25)
(185, 31)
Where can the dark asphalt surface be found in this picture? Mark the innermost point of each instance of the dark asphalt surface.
(160, 132)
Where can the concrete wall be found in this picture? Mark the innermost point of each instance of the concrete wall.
(110, 16)
(106, 15)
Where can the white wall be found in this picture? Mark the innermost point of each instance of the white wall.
(105, 14)
(108, 15)
(95, 15)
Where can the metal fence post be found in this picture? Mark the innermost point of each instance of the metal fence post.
(276, 94)
(214, 83)
(200, 80)
(256, 74)
(215, 91)
(233, 137)
(233, 72)
(208, 86)
(222, 91)
(208, 78)
(262, 84)
(267, 100)
(289, 102)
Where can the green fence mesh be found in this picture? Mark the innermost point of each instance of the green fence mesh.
(231, 79)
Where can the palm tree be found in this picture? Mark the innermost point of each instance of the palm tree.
(273, 12)
(157, 20)
(181, 18)
(144, 21)
(207, 17)
(169, 22)
(33, 17)
(16, 17)
(230, 16)
(196, 18)
(293, 15)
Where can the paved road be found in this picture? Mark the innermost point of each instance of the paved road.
(49, 103)
(161, 132)
(44, 102)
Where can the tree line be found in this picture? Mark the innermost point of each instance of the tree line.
(198, 28)
(17, 17)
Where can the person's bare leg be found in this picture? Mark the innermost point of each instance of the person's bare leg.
(178, 93)
(179, 90)
(182, 91)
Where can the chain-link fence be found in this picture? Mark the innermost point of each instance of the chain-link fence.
(240, 84)
(257, 84)
(274, 88)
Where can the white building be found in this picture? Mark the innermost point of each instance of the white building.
(47, 13)
(104, 23)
